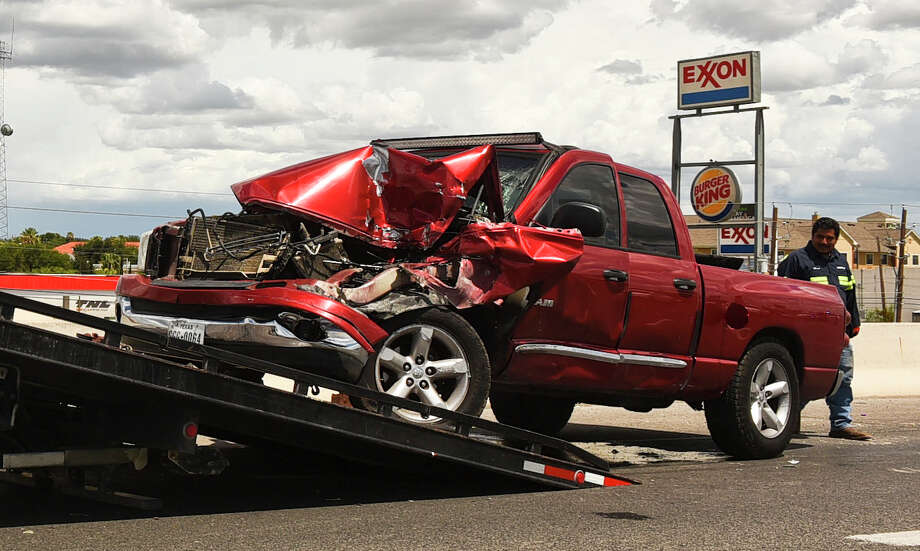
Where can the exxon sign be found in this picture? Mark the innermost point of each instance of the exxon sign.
(715, 81)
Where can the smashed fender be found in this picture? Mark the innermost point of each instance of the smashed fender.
(388, 197)
(498, 259)
(485, 263)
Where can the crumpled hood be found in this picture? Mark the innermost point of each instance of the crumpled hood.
(388, 197)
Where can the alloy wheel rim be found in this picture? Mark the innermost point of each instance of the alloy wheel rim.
(423, 363)
(771, 400)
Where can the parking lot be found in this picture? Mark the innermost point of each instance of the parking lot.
(820, 492)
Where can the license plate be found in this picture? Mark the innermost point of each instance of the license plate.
(185, 330)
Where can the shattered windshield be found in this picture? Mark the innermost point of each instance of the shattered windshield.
(516, 170)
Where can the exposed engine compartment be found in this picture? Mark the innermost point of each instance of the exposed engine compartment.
(252, 247)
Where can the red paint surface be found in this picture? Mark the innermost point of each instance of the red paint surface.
(410, 204)
(42, 282)
(499, 259)
(589, 312)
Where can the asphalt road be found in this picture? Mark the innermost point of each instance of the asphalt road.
(690, 497)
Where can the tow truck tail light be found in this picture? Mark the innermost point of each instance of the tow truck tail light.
(190, 429)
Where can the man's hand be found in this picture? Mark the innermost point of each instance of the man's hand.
(848, 317)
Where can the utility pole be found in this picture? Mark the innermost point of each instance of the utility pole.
(899, 286)
(774, 254)
(881, 276)
(6, 55)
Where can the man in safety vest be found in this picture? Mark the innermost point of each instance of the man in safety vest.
(820, 262)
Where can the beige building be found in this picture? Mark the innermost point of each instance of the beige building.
(869, 242)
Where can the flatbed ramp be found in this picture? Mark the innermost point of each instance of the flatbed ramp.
(61, 395)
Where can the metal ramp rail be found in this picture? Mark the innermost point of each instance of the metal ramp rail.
(148, 396)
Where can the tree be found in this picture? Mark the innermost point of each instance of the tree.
(110, 263)
(92, 256)
(52, 239)
(33, 259)
(29, 236)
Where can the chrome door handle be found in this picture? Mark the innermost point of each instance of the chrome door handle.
(615, 275)
(685, 284)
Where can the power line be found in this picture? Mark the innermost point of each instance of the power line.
(185, 192)
(164, 216)
(844, 203)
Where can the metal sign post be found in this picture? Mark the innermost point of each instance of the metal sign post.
(727, 80)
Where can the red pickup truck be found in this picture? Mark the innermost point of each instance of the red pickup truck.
(451, 270)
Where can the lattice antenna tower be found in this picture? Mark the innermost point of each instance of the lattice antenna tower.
(6, 55)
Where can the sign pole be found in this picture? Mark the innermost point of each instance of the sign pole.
(675, 159)
(759, 260)
(728, 80)
(774, 255)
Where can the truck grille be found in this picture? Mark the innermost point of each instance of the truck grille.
(221, 247)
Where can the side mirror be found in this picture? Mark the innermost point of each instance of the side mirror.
(586, 217)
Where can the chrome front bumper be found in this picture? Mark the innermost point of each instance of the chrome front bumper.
(247, 331)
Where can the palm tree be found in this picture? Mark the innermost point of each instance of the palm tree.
(29, 236)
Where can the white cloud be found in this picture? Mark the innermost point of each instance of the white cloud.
(197, 94)
(423, 29)
(105, 39)
(890, 14)
(762, 21)
(905, 78)
(869, 159)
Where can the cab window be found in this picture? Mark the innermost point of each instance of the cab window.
(592, 184)
(648, 222)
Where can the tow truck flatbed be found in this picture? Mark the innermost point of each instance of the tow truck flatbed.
(63, 395)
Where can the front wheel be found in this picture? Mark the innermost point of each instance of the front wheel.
(754, 418)
(434, 357)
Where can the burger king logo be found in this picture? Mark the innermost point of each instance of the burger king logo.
(715, 193)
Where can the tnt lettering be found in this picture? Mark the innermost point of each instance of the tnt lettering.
(707, 73)
(92, 304)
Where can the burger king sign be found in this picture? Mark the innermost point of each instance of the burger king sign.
(715, 193)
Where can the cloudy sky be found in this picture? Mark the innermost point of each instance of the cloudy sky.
(173, 101)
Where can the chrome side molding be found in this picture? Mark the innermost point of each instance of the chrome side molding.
(596, 355)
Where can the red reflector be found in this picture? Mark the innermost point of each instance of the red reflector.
(614, 482)
(580, 477)
(190, 430)
(556, 472)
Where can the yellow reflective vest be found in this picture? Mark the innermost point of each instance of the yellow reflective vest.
(808, 264)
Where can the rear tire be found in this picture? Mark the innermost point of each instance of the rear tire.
(756, 416)
(431, 356)
(528, 411)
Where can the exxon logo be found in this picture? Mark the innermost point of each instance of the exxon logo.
(707, 73)
(721, 80)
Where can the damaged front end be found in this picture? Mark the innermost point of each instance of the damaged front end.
(326, 252)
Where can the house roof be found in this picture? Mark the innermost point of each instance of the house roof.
(871, 233)
(67, 248)
(877, 216)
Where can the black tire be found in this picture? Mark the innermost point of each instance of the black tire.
(453, 342)
(732, 419)
(541, 414)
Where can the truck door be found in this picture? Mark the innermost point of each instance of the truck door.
(568, 337)
(664, 292)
